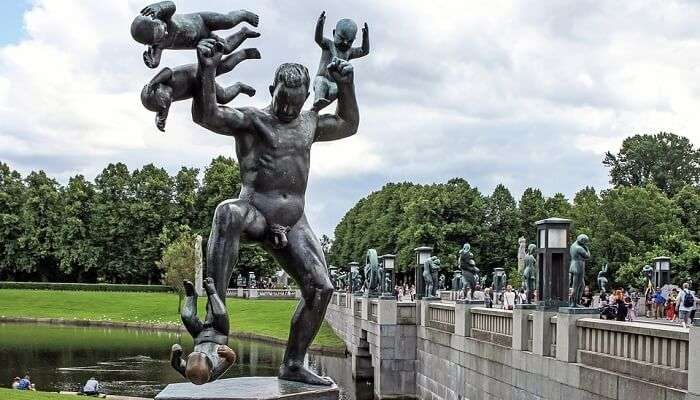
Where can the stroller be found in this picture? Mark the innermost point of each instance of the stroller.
(608, 311)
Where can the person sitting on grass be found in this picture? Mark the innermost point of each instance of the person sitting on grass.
(15, 383)
(211, 356)
(91, 388)
(25, 383)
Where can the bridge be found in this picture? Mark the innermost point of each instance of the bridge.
(453, 350)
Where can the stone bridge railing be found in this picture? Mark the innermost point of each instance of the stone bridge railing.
(523, 353)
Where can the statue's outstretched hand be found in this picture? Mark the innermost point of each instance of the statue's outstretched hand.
(209, 52)
(154, 11)
(341, 71)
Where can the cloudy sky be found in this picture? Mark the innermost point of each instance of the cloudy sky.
(521, 93)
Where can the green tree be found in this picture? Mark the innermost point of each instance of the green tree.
(112, 225)
(500, 238)
(666, 160)
(39, 221)
(688, 202)
(532, 209)
(178, 264)
(557, 206)
(75, 250)
(12, 195)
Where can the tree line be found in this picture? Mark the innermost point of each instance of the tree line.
(113, 229)
(652, 209)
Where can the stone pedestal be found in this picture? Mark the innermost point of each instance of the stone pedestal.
(386, 311)
(249, 388)
(521, 333)
(542, 331)
(463, 316)
(365, 308)
(567, 334)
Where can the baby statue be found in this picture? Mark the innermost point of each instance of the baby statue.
(325, 89)
(211, 356)
(160, 28)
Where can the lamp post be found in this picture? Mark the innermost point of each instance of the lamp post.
(423, 254)
(553, 262)
(662, 271)
(355, 277)
(387, 261)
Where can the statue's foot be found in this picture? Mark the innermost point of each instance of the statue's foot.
(251, 54)
(189, 288)
(210, 286)
(250, 17)
(249, 33)
(299, 373)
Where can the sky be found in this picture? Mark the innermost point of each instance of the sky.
(524, 93)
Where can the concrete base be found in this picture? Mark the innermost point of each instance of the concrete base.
(249, 388)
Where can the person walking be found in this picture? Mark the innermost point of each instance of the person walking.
(509, 298)
(686, 305)
(659, 302)
(621, 307)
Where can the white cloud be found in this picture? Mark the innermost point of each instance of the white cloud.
(524, 93)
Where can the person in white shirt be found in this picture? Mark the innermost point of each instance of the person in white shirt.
(685, 302)
(509, 298)
(92, 387)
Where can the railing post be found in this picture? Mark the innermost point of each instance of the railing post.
(567, 333)
(386, 311)
(365, 308)
(521, 333)
(694, 361)
(463, 316)
(542, 332)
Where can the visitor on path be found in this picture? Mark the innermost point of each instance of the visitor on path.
(587, 297)
(686, 305)
(659, 302)
(91, 388)
(671, 305)
(621, 307)
(478, 294)
(631, 311)
(509, 298)
(15, 383)
(488, 300)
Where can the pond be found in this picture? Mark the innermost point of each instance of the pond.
(135, 362)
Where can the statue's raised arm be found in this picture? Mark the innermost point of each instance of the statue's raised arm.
(205, 109)
(347, 116)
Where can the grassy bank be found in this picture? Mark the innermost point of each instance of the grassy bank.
(9, 394)
(260, 317)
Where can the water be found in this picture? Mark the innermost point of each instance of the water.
(134, 362)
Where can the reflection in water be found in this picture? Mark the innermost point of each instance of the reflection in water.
(133, 361)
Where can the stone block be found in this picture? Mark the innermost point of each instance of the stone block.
(248, 388)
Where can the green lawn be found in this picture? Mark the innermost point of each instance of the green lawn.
(261, 317)
(9, 394)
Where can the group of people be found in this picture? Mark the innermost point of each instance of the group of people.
(675, 306)
(91, 387)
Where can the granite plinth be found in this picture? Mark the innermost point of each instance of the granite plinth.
(249, 388)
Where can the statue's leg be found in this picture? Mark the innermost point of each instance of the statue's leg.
(321, 93)
(232, 218)
(188, 312)
(229, 62)
(225, 95)
(303, 259)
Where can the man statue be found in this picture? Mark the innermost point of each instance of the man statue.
(579, 255)
(469, 270)
(273, 146)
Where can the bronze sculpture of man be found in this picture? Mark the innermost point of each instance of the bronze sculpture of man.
(273, 146)
(579, 255)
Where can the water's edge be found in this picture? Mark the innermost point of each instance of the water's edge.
(166, 327)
